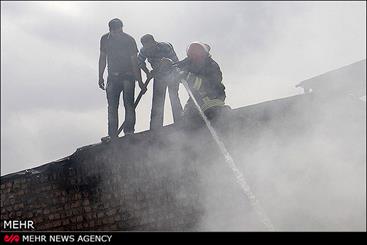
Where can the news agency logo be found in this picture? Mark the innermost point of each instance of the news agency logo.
(12, 238)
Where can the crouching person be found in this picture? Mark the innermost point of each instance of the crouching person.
(204, 78)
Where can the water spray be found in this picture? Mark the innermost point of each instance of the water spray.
(229, 160)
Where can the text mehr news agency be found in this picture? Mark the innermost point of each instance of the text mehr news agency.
(29, 225)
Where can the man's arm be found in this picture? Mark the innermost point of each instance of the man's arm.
(136, 68)
(172, 54)
(102, 61)
(141, 62)
(101, 68)
(135, 65)
(137, 72)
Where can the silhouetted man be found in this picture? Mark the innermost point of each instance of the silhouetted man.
(120, 51)
(154, 51)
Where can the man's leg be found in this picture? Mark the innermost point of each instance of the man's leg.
(177, 110)
(128, 96)
(159, 95)
(113, 91)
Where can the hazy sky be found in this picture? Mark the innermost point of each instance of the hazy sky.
(50, 100)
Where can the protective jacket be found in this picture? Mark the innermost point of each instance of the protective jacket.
(205, 82)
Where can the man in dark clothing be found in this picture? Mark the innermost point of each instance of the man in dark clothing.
(154, 51)
(120, 51)
(204, 79)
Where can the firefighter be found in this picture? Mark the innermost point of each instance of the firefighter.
(204, 77)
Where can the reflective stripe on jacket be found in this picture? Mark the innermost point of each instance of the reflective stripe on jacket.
(205, 102)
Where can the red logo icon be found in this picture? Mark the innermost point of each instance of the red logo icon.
(12, 238)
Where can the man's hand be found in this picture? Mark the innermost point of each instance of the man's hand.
(150, 75)
(101, 83)
(142, 87)
(165, 64)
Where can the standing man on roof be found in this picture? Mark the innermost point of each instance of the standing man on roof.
(154, 51)
(120, 51)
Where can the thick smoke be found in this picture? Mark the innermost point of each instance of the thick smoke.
(306, 166)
